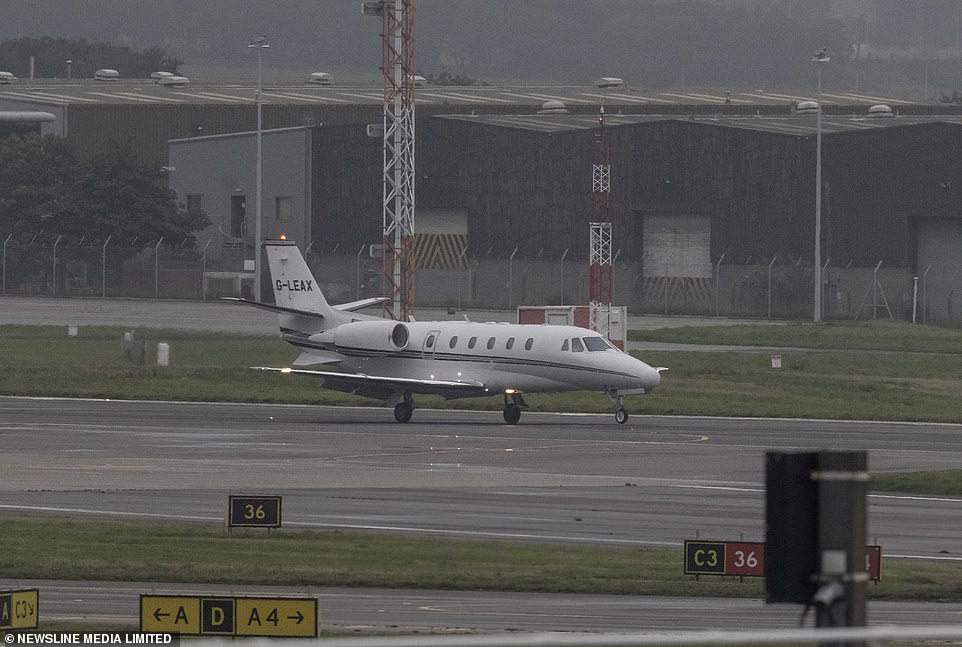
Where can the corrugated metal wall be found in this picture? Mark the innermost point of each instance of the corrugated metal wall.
(531, 190)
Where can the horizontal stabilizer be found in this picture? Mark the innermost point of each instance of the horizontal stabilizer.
(270, 307)
(360, 305)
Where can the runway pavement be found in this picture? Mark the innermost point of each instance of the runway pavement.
(575, 478)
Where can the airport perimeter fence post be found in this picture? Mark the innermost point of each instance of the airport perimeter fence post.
(822, 288)
(510, 276)
(718, 280)
(563, 276)
(54, 284)
(925, 293)
(461, 261)
(203, 271)
(7, 240)
(770, 286)
(667, 280)
(103, 268)
(157, 266)
(357, 290)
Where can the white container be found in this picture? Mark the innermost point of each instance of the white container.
(163, 354)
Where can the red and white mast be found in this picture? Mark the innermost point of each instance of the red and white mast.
(600, 260)
(398, 194)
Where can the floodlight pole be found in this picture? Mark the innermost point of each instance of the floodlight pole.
(820, 57)
(260, 43)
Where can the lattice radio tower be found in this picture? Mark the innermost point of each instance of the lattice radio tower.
(398, 196)
(599, 289)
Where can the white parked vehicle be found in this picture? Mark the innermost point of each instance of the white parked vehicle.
(173, 81)
(7, 77)
(106, 74)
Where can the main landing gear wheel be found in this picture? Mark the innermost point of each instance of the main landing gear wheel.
(512, 409)
(621, 416)
(403, 411)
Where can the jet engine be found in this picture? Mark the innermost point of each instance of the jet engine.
(384, 336)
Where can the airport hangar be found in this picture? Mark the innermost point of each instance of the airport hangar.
(697, 177)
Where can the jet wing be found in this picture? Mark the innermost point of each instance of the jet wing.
(383, 388)
(309, 358)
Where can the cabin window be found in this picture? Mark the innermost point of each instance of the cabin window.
(528, 344)
(564, 346)
(472, 342)
(453, 342)
(510, 343)
(577, 346)
(595, 343)
(491, 343)
(429, 343)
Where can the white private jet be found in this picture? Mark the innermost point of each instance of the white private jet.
(393, 360)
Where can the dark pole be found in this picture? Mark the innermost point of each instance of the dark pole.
(841, 478)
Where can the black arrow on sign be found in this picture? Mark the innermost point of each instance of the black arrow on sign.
(299, 616)
(158, 615)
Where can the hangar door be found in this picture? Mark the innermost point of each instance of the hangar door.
(677, 245)
(940, 246)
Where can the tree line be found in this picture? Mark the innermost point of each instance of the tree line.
(47, 191)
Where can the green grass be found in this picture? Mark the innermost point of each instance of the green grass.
(844, 335)
(39, 547)
(948, 482)
(810, 384)
(42, 361)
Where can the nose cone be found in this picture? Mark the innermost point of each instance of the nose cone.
(649, 376)
(643, 377)
(652, 376)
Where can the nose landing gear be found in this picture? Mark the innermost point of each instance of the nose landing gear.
(621, 415)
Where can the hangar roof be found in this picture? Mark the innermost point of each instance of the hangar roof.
(797, 125)
(145, 91)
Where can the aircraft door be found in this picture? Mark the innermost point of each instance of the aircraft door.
(430, 344)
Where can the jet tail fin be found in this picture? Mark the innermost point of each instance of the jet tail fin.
(295, 288)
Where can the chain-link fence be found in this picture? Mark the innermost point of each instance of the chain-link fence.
(107, 270)
(773, 289)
